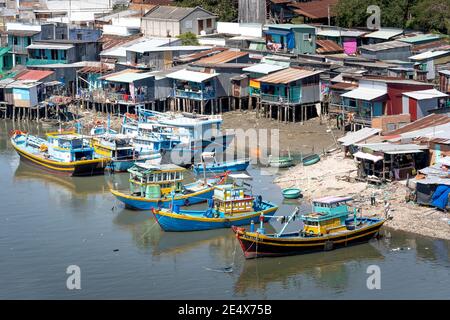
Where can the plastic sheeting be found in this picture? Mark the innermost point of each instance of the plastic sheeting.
(440, 197)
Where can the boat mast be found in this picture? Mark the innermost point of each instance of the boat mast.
(287, 223)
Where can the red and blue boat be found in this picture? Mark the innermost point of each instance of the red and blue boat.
(331, 225)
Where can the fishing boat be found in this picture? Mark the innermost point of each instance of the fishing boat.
(209, 163)
(63, 152)
(230, 206)
(121, 153)
(291, 193)
(311, 159)
(330, 225)
(281, 162)
(160, 186)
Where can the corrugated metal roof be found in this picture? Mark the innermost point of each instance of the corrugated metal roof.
(264, 68)
(385, 46)
(425, 122)
(171, 12)
(384, 33)
(35, 75)
(148, 44)
(425, 94)
(340, 33)
(358, 136)
(367, 156)
(429, 55)
(446, 72)
(366, 94)
(128, 77)
(391, 148)
(288, 75)
(198, 55)
(194, 76)
(315, 9)
(61, 46)
(420, 38)
(289, 26)
(224, 57)
(328, 46)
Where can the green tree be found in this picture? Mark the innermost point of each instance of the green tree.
(188, 39)
(432, 15)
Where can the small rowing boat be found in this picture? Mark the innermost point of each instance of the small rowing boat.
(291, 193)
(329, 226)
(311, 159)
(281, 162)
(229, 207)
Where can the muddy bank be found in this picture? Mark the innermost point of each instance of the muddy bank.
(335, 175)
(312, 136)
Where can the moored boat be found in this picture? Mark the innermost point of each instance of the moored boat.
(282, 161)
(63, 152)
(311, 159)
(160, 186)
(291, 193)
(121, 153)
(329, 226)
(229, 207)
(209, 163)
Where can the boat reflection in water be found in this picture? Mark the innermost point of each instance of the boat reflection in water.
(331, 269)
(75, 186)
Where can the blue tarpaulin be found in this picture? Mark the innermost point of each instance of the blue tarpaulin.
(277, 32)
(440, 197)
(290, 40)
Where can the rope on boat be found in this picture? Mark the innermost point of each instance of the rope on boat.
(228, 269)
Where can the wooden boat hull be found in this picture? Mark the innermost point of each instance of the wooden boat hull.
(141, 203)
(77, 168)
(237, 166)
(256, 245)
(175, 222)
(310, 160)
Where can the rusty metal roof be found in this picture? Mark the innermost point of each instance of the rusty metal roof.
(314, 9)
(428, 121)
(34, 75)
(198, 55)
(224, 57)
(328, 46)
(109, 41)
(288, 75)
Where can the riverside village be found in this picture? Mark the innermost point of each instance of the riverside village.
(242, 142)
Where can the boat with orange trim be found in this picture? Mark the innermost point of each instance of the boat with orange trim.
(65, 153)
(331, 225)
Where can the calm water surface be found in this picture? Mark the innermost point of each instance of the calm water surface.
(48, 222)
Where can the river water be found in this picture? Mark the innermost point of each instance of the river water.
(48, 223)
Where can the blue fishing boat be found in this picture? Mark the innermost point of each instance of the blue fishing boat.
(229, 207)
(160, 186)
(63, 152)
(311, 159)
(209, 163)
(330, 225)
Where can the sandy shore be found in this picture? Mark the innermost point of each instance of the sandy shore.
(335, 175)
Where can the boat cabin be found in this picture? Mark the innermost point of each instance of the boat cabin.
(113, 146)
(328, 216)
(68, 147)
(231, 199)
(153, 182)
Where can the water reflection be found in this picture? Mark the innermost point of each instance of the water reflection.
(328, 269)
(75, 186)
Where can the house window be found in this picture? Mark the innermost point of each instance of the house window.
(306, 36)
(15, 40)
(200, 25)
(209, 23)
